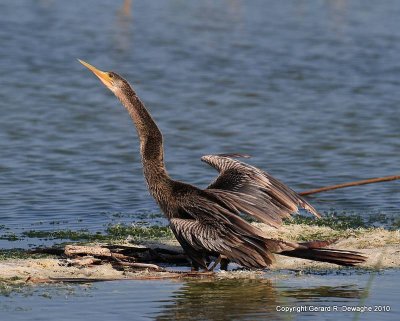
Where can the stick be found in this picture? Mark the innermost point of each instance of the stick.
(141, 265)
(356, 183)
(137, 265)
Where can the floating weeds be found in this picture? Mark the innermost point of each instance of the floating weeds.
(112, 233)
(140, 216)
(336, 222)
(328, 227)
(396, 223)
(9, 236)
(80, 235)
(7, 287)
(7, 254)
(121, 231)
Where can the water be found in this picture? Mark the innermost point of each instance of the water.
(246, 299)
(309, 89)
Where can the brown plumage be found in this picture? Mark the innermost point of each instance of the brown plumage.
(208, 222)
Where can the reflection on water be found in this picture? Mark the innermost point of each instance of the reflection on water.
(123, 35)
(347, 291)
(221, 300)
(243, 299)
(126, 8)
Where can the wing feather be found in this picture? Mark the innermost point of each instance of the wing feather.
(252, 191)
(205, 235)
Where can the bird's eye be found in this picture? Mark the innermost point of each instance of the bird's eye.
(110, 75)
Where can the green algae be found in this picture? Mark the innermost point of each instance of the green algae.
(10, 236)
(345, 221)
(121, 231)
(79, 235)
(10, 254)
(112, 233)
(341, 226)
(336, 222)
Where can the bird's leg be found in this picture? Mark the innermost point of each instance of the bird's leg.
(224, 264)
(214, 265)
(194, 267)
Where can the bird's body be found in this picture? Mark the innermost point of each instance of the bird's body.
(207, 222)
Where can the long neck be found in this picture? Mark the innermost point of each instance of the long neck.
(151, 143)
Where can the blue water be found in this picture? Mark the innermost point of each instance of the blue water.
(309, 89)
(235, 299)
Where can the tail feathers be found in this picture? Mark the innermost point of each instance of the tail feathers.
(340, 257)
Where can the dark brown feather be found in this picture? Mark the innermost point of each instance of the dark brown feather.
(340, 257)
(254, 192)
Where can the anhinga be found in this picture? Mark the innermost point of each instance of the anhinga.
(207, 222)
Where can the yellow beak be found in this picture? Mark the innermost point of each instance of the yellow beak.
(103, 76)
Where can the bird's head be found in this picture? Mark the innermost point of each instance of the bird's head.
(110, 79)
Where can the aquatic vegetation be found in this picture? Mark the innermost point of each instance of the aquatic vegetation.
(9, 286)
(9, 254)
(112, 233)
(337, 222)
(79, 235)
(396, 223)
(138, 216)
(9, 236)
(300, 228)
(121, 231)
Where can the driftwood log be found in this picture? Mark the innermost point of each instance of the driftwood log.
(74, 250)
(120, 256)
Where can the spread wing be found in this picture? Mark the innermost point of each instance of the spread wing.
(252, 191)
